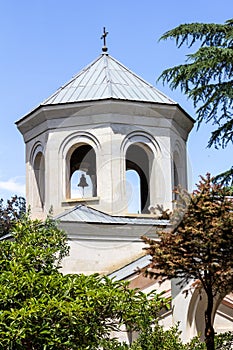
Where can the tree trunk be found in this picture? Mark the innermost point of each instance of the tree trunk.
(209, 329)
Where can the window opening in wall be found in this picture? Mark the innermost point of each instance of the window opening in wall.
(138, 160)
(175, 179)
(133, 192)
(77, 188)
(39, 171)
(83, 172)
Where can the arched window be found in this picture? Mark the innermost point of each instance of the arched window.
(82, 172)
(176, 179)
(39, 171)
(133, 191)
(176, 164)
(81, 185)
(138, 158)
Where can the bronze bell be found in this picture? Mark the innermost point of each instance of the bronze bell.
(83, 182)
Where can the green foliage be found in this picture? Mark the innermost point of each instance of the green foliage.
(42, 309)
(226, 179)
(195, 344)
(35, 245)
(224, 341)
(10, 212)
(158, 339)
(207, 76)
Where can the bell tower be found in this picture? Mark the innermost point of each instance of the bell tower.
(102, 152)
(103, 139)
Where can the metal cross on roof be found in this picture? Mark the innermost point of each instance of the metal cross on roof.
(104, 48)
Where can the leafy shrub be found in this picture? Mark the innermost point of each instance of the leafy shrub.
(224, 341)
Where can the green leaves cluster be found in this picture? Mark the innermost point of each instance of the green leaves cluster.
(35, 245)
(159, 339)
(42, 309)
(156, 338)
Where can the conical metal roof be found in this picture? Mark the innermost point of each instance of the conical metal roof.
(106, 78)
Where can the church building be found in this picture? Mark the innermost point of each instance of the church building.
(102, 154)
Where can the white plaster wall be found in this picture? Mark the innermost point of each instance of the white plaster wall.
(108, 124)
(100, 257)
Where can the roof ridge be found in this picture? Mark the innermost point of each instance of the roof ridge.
(57, 217)
(108, 76)
(81, 206)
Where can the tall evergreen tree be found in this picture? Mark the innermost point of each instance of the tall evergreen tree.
(207, 78)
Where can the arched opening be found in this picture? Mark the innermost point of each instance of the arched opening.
(77, 188)
(222, 313)
(138, 159)
(39, 171)
(176, 179)
(133, 191)
(83, 172)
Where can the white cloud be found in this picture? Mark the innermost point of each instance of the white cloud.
(13, 186)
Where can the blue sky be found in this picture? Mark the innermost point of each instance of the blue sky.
(45, 42)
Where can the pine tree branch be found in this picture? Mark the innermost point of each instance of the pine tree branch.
(210, 34)
(207, 75)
